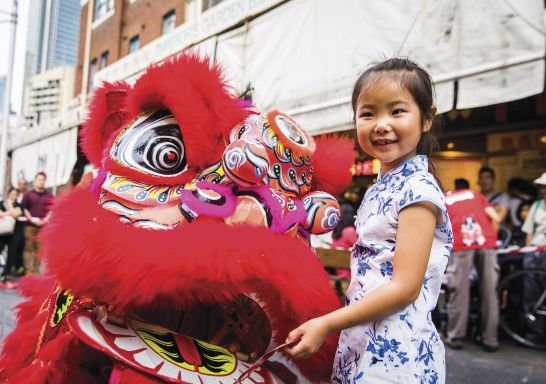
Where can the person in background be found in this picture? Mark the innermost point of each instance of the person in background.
(519, 237)
(535, 228)
(499, 200)
(521, 193)
(535, 223)
(22, 186)
(35, 206)
(15, 241)
(475, 223)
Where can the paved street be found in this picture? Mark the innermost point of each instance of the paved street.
(8, 299)
(511, 364)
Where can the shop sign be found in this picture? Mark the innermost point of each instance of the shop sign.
(516, 140)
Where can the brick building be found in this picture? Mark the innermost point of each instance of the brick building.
(115, 28)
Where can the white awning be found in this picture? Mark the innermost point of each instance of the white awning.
(55, 155)
(304, 56)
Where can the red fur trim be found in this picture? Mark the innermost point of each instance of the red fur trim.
(127, 375)
(193, 90)
(59, 361)
(205, 261)
(107, 114)
(332, 163)
(20, 346)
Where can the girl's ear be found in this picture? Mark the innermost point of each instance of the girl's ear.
(429, 119)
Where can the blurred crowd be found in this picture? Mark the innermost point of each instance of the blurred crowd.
(22, 213)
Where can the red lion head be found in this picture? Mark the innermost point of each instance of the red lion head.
(189, 245)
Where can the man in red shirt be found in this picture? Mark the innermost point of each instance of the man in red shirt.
(35, 207)
(475, 223)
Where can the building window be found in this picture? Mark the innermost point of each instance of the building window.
(92, 71)
(168, 22)
(134, 44)
(210, 3)
(102, 7)
(191, 10)
(104, 60)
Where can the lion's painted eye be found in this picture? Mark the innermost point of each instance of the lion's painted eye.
(152, 143)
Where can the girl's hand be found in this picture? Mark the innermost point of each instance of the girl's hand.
(312, 334)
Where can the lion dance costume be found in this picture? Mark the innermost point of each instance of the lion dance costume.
(193, 237)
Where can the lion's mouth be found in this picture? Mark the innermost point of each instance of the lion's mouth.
(183, 346)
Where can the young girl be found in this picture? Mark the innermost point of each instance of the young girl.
(404, 241)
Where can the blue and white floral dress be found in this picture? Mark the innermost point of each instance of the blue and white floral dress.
(404, 347)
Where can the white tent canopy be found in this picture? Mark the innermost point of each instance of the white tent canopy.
(304, 56)
(55, 155)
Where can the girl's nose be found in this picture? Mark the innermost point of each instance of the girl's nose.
(383, 126)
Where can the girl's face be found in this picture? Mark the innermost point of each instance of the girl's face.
(388, 123)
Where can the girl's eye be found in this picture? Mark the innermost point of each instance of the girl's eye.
(366, 114)
(397, 111)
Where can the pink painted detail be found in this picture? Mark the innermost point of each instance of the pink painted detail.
(95, 187)
(276, 202)
(203, 203)
(115, 376)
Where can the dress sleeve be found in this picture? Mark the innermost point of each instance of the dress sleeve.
(424, 188)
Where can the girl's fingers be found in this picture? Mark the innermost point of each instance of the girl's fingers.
(298, 350)
(294, 335)
(301, 353)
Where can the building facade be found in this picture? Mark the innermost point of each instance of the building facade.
(52, 38)
(48, 94)
(112, 29)
(303, 56)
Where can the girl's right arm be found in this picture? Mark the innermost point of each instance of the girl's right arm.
(416, 225)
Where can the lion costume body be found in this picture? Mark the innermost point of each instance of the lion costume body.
(192, 237)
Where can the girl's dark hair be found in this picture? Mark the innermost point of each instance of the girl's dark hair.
(418, 83)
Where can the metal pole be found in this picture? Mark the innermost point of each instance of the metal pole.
(7, 97)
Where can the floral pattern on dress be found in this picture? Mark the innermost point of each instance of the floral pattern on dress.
(405, 346)
(384, 350)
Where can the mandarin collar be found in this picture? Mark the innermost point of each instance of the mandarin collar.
(416, 163)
